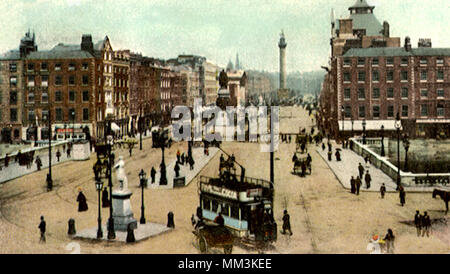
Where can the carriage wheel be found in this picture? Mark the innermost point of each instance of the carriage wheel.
(228, 249)
(202, 244)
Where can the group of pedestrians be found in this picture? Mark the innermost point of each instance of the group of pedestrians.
(422, 223)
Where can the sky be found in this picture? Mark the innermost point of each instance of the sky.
(216, 29)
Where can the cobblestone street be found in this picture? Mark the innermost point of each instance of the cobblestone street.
(325, 216)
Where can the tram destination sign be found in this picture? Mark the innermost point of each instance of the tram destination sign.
(220, 191)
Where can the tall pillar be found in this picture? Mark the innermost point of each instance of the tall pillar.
(282, 45)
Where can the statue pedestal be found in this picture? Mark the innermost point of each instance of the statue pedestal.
(122, 213)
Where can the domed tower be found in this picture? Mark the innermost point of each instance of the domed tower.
(282, 45)
(27, 44)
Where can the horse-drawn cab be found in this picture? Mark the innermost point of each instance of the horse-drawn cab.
(301, 164)
(299, 140)
(214, 235)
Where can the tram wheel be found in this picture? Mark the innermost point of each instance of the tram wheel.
(202, 244)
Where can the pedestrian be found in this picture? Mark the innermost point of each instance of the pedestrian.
(221, 158)
(330, 147)
(329, 155)
(389, 238)
(219, 220)
(418, 222)
(323, 146)
(402, 195)
(130, 150)
(338, 155)
(153, 174)
(368, 179)
(191, 163)
(303, 166)
(182, 159)
(361, 170)
(42, 227)
(178, 156)
(289, 139)
(358, 184)
(426, 224)
(177, 170)
(58, 154)
(82, 202)
(68, 152)
(308, 159)
(38, 162)
(6, 160)
(105, 199)
(352, 185)
(294, 158)
(382, 190)
(286, 223)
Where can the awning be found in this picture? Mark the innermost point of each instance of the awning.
(370, 125)
(115, 127)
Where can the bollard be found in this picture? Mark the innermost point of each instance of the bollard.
(170, 222)
(130, 232)
(71, 230)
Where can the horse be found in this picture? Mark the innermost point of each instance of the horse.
(445, 196)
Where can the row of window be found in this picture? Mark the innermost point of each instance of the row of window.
(71, 114)
(361, 61)
(440, 93)
(390, 76)
(58, 66)
(424, 111)
(59, 96)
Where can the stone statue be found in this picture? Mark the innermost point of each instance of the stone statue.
(223, 79)
(120, 174)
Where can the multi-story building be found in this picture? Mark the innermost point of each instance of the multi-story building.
(258, 86)
(121, 68)
(210, 83)
(237, 85)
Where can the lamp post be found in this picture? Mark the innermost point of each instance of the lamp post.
(49, 175)
(382, 141)
(398, 125)
(364, 131)
(163, 178)
(73, 123)
(352, 124)
(342, 114)
(143, 180)
(99, 186)
(111, 232)
(406, 146)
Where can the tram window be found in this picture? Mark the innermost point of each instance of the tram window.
(215, 205)
(244, 213)
(206, 204)
(235, 212)
(225, 210)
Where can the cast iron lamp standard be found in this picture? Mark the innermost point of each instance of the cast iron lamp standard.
(49, 175)
(342, 114)
(163, 178)
(382, 141)
(111, 232)
(398, 125)
(73, 124)
(99, 187)
(143, 180)
(406, 146)
(364, 131)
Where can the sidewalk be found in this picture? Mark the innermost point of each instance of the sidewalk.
(200, 161)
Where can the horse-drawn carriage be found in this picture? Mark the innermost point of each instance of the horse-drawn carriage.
(302, 164)
(212, 235)
(300, 139)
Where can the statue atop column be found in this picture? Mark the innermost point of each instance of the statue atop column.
(120, 175)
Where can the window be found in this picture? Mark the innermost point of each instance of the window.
(58, 96)
(347, 61)
(376, 111)
(424, 110)
(404, 110)
(423, 61)
(375, 62)
(44, 97)
(44, 80)
(30, 81)
(44, 66)
(347, 93)
(72, 96)
(85, 79)
(30, 97)
(72, 80)
(376, 93)
(58, 66)
(13, 81)
(72, 114)
(71, 67)
(348, 111)
(361, 93)
(84, 66)
(440, 93)
(404, 61)
(31, 116)
(423, 75)
(85, 95)
(440, 110)
(44, 115)
(206, 204)
(58, 80)
(440, 61)
(404, 92)
(347, 77)
(85, 114)
(13, 115)
(362, 111)
(390, 111)
(423, 93)
(361, 76)
(389, 61)
(404, 75)
(375, 76)
(13, 67)
(361, 61)
(440, 75)
(30, 67)
(58, 114)
(13, 98)
(390, 75)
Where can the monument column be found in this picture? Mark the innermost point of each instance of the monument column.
(282, 45)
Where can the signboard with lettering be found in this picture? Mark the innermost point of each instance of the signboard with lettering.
(256, 192)
(220, 191)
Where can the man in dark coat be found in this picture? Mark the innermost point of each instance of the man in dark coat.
(58, 154)
(329, 155)
(219, 220)
(352, 185)
(357, 184)
(323, 146)
(153, 174)
(82, 204)
(338, 155)
(177, 170)
(286, 223)
(294, 158)
(42, 227)
(368, 179)
(402, 195)
(426, 224)
(361, 170)
(38, 163)
(418, 222)
(105, 199)
(382, 191)
(182, 158)
(191, 163)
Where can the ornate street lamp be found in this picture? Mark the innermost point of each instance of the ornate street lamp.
(111, 232)
(398, 125)
(49, 175)
(163, 178)
(406, 146)
(143, 180)
(364, 131)
(99, 187)
(342, 114)
(382, 141)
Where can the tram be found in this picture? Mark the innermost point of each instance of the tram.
(245, 203)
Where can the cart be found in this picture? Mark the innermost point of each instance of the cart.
(214, 236)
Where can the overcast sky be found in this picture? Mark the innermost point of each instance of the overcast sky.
(216, 29)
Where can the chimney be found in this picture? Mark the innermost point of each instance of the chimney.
(86, 43)
(424, 43)
(407, 43)
(386, 31)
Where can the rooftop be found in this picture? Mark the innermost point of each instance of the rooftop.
(398, 51)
